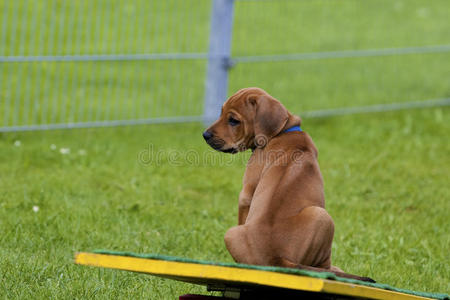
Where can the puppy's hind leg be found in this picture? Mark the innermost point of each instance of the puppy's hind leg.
(237, 244)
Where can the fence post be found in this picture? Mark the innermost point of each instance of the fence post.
(219, 59)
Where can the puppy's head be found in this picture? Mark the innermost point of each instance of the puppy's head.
(249, 119)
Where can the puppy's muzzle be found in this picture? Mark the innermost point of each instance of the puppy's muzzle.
(207, 135)
(217, 143)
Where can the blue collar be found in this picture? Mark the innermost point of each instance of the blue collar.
(294, 128)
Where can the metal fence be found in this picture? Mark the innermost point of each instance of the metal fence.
(66, 64)
(323, 58)
(101, 63)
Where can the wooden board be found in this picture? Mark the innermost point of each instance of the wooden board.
(212, 275)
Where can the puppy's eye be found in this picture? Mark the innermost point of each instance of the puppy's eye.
(233, 122)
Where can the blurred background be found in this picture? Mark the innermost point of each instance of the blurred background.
(97, 63)
(85, 68)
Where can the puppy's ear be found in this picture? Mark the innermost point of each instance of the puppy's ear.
(270, 117)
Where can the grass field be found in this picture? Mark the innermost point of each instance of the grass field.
(160, 189)
(386, 180)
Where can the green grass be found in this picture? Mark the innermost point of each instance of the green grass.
(286, 26)
(386, 181)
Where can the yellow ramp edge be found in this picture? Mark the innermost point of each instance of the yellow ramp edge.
(201, 274)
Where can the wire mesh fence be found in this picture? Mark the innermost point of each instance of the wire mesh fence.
(112, 62)
(85, 63)
(334, 55)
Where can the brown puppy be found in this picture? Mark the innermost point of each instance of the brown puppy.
(282, 220)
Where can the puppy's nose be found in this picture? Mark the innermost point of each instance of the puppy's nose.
(207, 135)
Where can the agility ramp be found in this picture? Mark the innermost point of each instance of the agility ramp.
(239, 280)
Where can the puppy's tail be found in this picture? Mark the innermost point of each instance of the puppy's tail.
(336, 271)
(351, 276)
